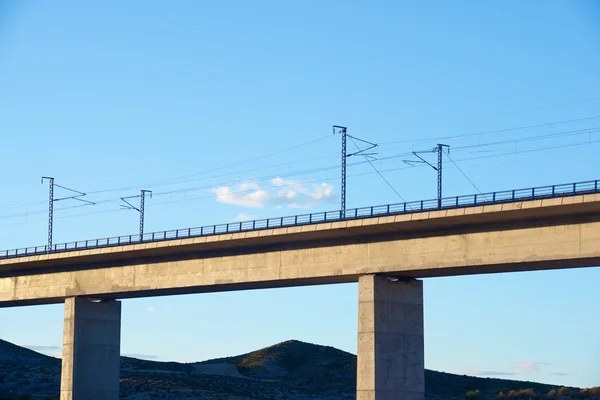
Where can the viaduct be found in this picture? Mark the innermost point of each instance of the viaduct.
(388, 250)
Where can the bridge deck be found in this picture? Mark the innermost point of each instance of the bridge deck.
(450, 203)
(530, 235)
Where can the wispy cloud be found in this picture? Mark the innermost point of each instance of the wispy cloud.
(280, 193)
(42, 347)
(245, 217)
(56, 351)
(484, 372)
(247, 194)
(49, 350)
(531, 366)
(151, 309)
(559, 373)
(141, 356)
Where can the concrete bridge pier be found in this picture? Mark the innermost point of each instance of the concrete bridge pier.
(91, 350)
(391, 354)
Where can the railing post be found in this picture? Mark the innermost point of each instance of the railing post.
(475, 200)
(388, 209)
(456, 201)
(595, 186)
(296, 220)
(494, 197)
(513, 195)
(533, 193)
(404, 207)
(201, 231)
(189, 232)
(553, 190)
(574, 188)
(240, 226)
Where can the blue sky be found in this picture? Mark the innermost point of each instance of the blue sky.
(191, 99)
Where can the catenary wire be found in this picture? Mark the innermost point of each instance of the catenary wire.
(378, 172)
(325, 179)
(462, 172)
(304, 172)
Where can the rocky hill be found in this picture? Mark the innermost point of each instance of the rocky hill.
(288, 370)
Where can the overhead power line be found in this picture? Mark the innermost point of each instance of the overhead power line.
(378, 172)
(314, 170)
(174, 181)
(295, 174)
(489, 132)
(507, 141)
(591, 99)
(315, 180)
(462, 172)
(237, 163)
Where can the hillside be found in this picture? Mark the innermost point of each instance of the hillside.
(288, 370)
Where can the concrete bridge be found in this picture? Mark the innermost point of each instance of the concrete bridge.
(386, 254)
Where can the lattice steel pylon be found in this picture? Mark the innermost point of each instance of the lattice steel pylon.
(440, 151)
(50, 209)
(51, 201)
(344, 132)
(130, 206)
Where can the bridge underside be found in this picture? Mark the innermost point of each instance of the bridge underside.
(390, 362)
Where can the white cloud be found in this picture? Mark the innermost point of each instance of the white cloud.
(322, 191)
(141, 356)
(531, 366)
(244, 217)
(280, 193)
(485, 372)
(49, 350)
(240, 197)
(151, 309)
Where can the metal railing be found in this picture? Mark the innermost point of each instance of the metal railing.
(507, 196)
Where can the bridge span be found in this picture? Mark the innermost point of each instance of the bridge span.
(385, 254)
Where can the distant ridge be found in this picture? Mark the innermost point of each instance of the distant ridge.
(10, 351)
(288, 370)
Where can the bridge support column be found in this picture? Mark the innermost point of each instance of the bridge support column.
(391, 354)
(91, 350)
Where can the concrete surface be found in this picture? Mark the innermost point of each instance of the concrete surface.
(534, 235)
(91, 350)
(391, 355)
